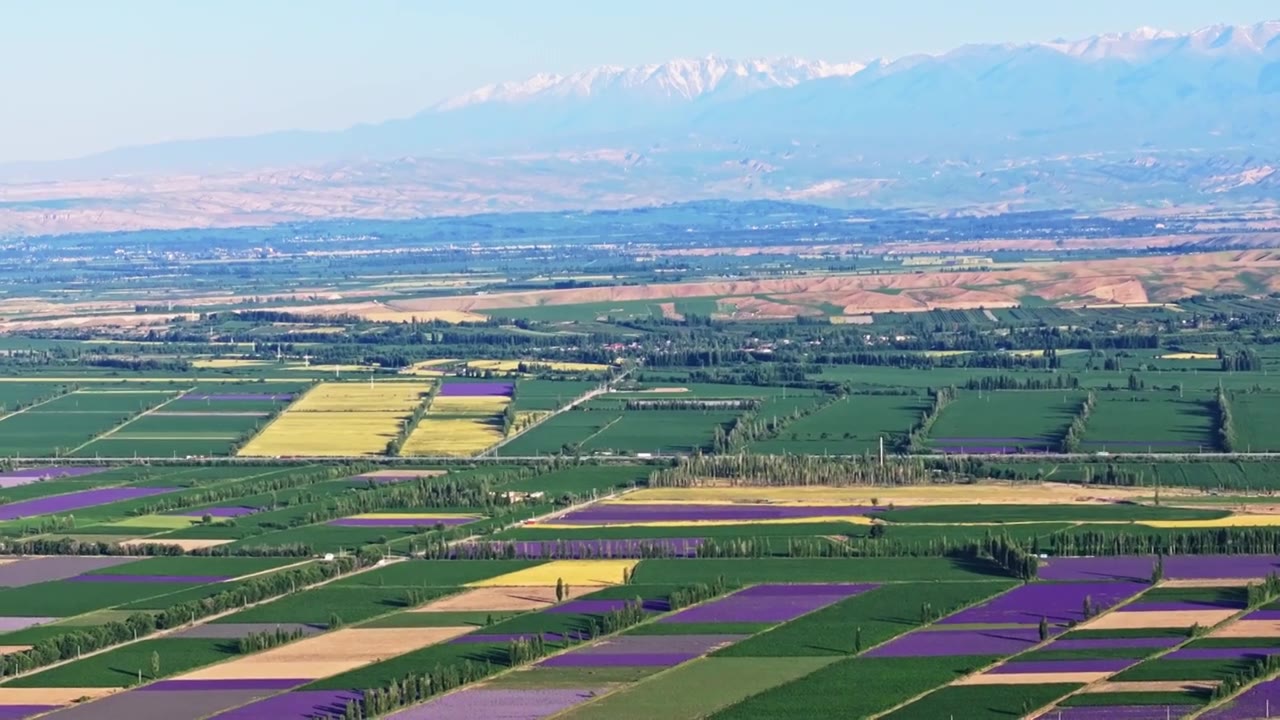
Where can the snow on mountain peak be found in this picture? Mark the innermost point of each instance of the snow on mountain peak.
(679, 80)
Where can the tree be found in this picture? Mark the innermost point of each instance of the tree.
(857, 640)
(1044, 628)
(1088, 607)
(1157, 570)
(559, 589)
(155, 664)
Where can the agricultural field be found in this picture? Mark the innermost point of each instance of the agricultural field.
(337, 485)
(340, 419)
(1133, 422)
(1256, 417)
(463, 420)
(68, 423)
(1001, 422)
(852, 425)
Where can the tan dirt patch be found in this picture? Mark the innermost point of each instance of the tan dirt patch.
(669, 311)
(1158, 619)
(7, 649)
(1249, 628)
(984, 493)
(1200, 583)
(501, 598)
(1151, 686)
(49, 696)
(1031, 678)
(184, 543)
(328, 654)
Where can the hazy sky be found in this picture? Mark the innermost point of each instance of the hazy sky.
(87, 75)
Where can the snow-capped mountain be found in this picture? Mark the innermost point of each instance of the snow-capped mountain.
(674, 81)
(1147, 116)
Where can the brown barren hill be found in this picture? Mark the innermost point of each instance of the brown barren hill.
(1124, 281)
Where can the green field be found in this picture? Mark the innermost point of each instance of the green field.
(1149, 422)
(882, 684)
(850, 426)
(123, 666)
(659, 431)
(534, 394)
(1256, 417)
(351, 604)
(1009, 419)
(981, 702)
(697, 689)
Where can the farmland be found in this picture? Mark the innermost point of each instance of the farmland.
(340, 419)
(472, 479)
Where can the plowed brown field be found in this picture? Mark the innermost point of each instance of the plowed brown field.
(1128, 281)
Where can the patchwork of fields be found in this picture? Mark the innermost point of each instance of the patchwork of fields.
(724, 602)
(340, 419)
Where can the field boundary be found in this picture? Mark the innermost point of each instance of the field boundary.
(604, 388)
(186, 626)
(35, 405)
(127, 423)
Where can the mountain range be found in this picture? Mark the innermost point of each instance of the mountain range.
(1146, 118)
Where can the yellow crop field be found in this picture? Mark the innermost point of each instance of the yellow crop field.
(1189, 356)
(514, 365)
(983, 493)
(325, 434)
(1230, 521)
(393, 397)
(452, 437)
(573, 572)
(462, 405)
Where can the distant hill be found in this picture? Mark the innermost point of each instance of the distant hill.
(1146, 118)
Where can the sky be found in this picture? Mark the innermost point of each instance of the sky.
(82, 76)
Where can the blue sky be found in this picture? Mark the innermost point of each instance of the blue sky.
(88, 75)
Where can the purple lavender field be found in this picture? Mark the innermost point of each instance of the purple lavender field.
(1176, 567)
(297, 705)
(22, 712)
(76, 501)
(1261, 700)
(476, 389)
(1114, 642)
(26, 476)
(944, 643)
(497, 704)
(768, 603)
(1059, 603)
